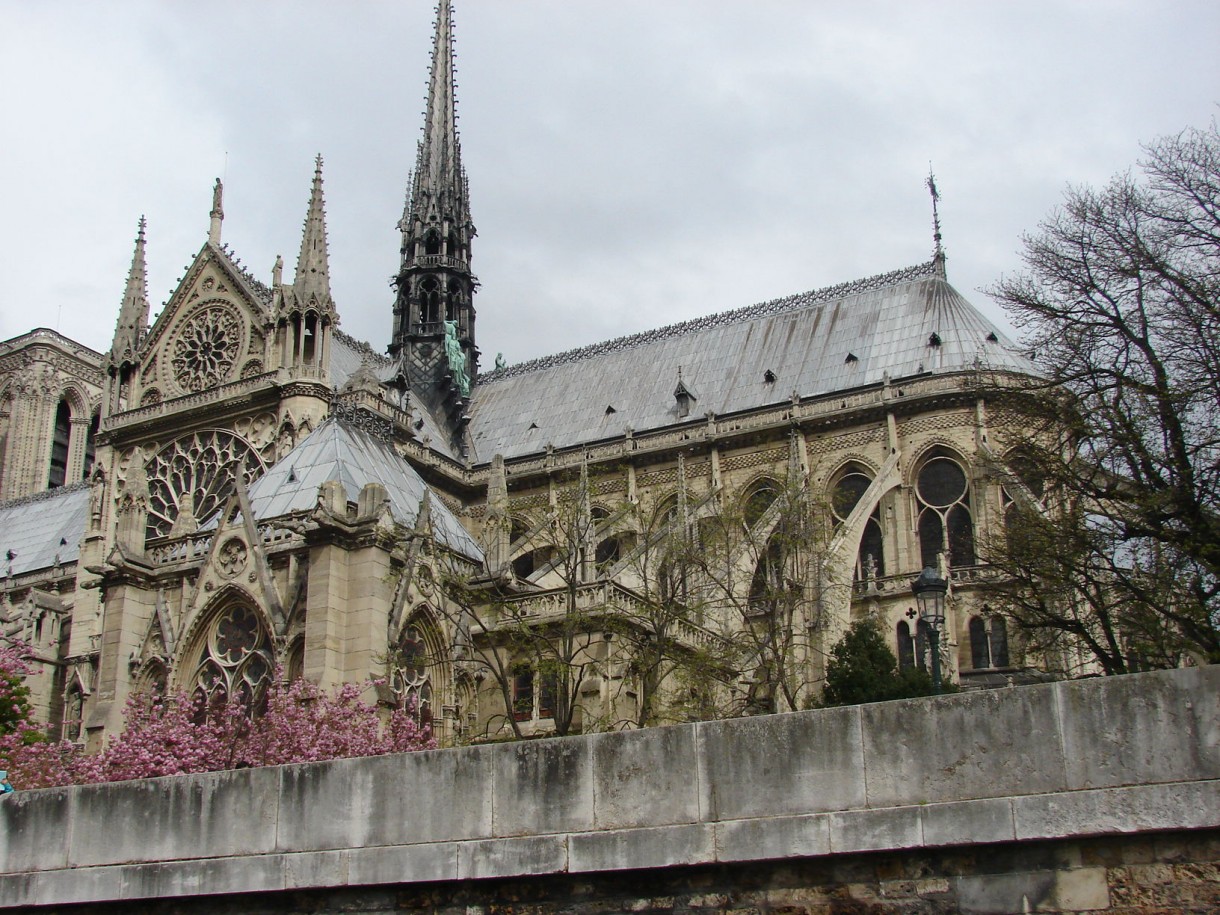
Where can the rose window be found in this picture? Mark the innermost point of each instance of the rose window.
(236, 663)
(197, 470)
(206, 348)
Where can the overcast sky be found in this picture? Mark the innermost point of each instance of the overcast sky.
(631, 162)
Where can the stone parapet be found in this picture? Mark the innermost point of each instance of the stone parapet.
(1065, 761)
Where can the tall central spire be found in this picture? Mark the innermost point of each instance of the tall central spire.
(434, 309)
(440, 181)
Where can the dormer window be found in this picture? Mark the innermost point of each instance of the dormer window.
(934, 339)
(684, 396)
(768, 377)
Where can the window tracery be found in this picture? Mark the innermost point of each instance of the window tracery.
(410, 680)
(197, 470)
(942, 493)
(236, 662)
(206, 347)
(870, 557)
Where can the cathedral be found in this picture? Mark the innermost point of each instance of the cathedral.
(671, 525)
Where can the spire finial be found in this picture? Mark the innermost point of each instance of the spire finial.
(438, 184)
(938, 252)
(313, 267)
(133, 313)
(217, 214)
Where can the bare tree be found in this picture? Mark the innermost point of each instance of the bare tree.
(1114, 530)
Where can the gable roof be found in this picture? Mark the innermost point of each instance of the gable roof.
(813, 343)
(32, 528)
(338, 450)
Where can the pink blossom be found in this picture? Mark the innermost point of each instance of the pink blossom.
(169, 736)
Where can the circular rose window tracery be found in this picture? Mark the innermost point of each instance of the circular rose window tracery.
(196, 470)
(206, 348)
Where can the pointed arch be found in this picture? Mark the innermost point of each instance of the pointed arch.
(229, 653)
(418, 662)
(850, 483)
(941, 485)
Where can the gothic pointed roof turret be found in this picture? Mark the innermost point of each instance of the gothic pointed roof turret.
(313, 266)
(133, 313)
(438, 186)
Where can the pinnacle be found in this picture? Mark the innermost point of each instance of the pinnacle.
(313, 269)
(133, 313)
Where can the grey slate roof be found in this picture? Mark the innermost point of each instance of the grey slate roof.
(806, 341)
(31, 527)
(337, 450)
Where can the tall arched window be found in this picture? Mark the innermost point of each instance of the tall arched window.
(906, 646)
(235, 662)
(942, 492)
(411, 681)
(847, 494)
(61, 438)
(429, 301)
(988, 642)
(768, 584)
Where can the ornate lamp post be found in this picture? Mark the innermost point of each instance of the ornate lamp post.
(930, 590)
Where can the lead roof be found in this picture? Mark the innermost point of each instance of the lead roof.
(810, 344)
(31, 529)
(339, 450)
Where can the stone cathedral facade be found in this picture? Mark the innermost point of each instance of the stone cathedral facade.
(667, 525)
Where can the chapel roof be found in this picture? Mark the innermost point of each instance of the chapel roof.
(908, 322)
(43, 528)
(340, 450)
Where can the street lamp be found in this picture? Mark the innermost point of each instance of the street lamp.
(930, 590)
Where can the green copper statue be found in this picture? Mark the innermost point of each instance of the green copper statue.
(457, 359)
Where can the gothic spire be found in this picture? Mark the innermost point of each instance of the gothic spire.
(938, 251)
(434, 313)
(313, 269)
(438, 186)
(133, 313)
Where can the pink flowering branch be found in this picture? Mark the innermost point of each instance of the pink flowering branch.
(172, 736)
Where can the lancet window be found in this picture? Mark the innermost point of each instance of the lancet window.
(411, 681)
(870, 556)
(942, 493)
(61, 438)
(988, 642)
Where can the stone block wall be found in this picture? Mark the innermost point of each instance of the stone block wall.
(957, 790)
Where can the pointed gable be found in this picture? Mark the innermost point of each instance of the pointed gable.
(212, 330)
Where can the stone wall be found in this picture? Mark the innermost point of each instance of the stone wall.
(1117, 875)
(944, 801)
